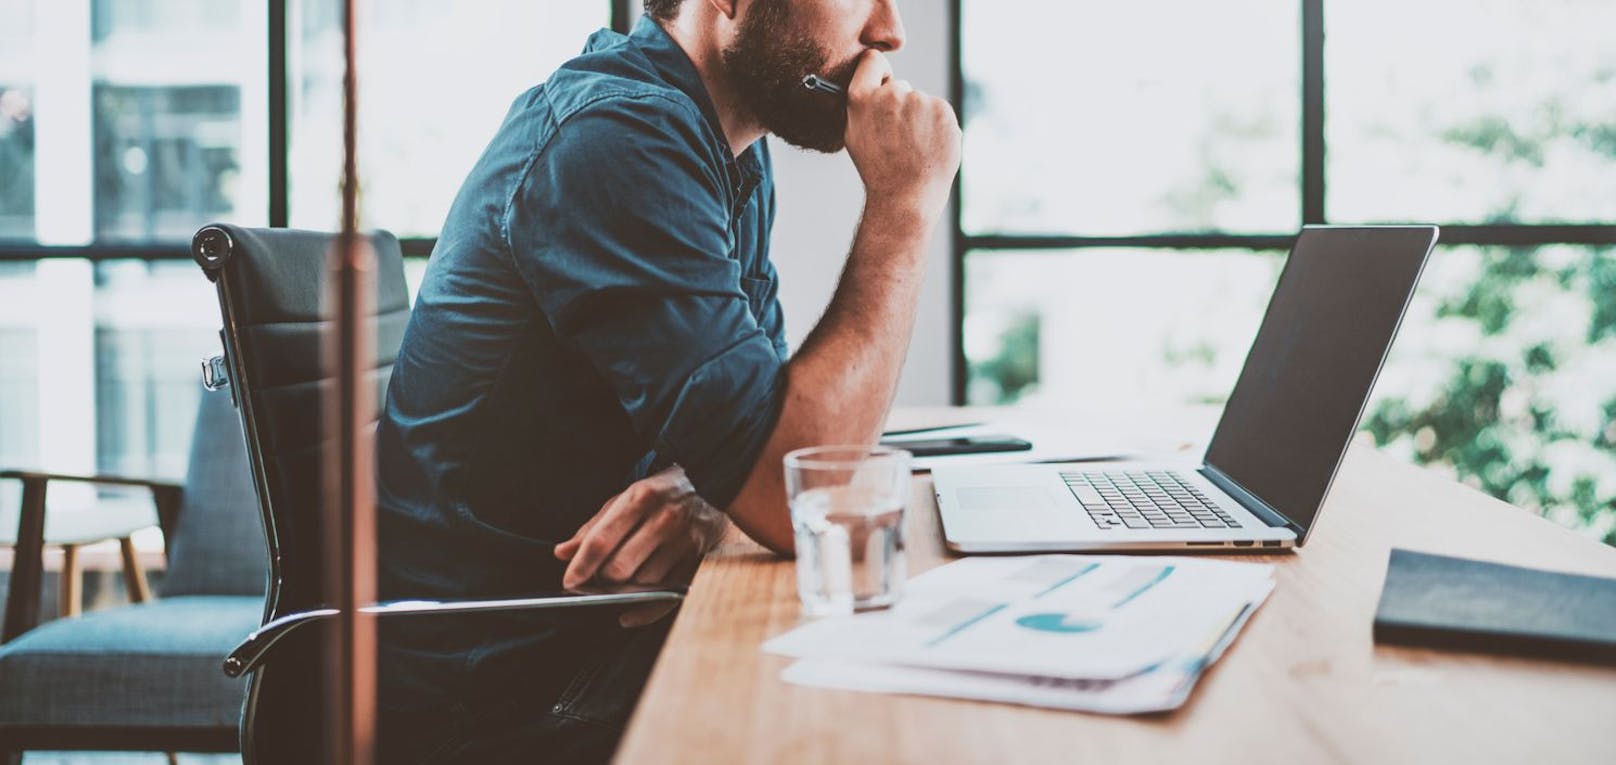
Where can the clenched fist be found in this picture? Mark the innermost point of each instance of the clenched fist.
(905, 144)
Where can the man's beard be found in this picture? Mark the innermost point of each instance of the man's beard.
(765, 66)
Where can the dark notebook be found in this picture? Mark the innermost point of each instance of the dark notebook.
(1441, 602)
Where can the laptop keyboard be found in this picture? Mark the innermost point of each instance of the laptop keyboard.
(1147, 499)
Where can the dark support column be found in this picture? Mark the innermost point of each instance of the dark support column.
(350, 531)
(621, 16)
(1313, 111)
(279, 174)
(956, 279)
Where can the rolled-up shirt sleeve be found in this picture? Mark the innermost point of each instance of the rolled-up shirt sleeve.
(621, 229)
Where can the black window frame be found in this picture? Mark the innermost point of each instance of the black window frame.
(1311, 179)
(622, 15)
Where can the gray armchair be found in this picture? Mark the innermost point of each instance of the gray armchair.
(146, 676)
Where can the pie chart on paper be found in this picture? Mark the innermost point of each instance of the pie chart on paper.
(1058, 623)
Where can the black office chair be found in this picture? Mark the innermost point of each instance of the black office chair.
(272, 287)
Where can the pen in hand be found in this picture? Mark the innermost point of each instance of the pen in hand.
(821, 85)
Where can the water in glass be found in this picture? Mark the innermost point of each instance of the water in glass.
(849, 548)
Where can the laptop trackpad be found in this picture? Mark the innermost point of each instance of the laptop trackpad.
(1002, 498)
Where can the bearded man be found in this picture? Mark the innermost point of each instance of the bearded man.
(594, 379)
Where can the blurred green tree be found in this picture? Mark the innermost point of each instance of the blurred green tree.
(1528, 414)
(1013, 370)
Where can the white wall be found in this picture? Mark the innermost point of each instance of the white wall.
(819, 202)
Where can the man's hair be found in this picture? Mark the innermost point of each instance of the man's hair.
(662, 10)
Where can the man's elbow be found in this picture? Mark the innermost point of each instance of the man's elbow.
(786, 550)
(768, 525)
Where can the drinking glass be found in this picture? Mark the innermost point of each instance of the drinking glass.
(847, 506)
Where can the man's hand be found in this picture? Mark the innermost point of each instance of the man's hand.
(654, 532)
(905, 144)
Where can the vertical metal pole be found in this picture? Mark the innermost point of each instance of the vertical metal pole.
(279, 111)
(1313, 111)
(351, 532)
(959, 371)
(621, 16)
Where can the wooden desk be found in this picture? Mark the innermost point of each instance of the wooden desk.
(1303, 684)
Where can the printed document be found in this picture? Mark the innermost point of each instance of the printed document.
(1114, 634)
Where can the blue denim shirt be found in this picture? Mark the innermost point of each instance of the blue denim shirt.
(600, 304)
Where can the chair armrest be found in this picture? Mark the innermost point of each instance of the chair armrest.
(22, 601)
(110, 480)
(253, 650)
(166, 495)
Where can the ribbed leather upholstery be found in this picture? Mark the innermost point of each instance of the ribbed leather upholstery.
(275, 286)
(276, 294)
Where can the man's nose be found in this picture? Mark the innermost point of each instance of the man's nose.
(884, 32)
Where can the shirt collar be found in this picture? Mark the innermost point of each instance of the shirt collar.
(675, 67)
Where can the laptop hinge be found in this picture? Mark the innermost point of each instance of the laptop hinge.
(1249, 501)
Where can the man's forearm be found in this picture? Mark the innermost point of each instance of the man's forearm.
(847, 369)
(840, 384)
(905, 146)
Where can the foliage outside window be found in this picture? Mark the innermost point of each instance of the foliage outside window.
(1504, 373)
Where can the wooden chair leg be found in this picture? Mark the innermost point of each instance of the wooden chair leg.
(173, 759)
(70, 583)
(134, 575)
(22, 599)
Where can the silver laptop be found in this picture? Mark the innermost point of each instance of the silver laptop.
(1276, 449)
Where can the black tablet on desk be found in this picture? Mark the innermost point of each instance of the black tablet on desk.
(940, 447)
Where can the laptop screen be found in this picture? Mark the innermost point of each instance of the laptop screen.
(1329, 324)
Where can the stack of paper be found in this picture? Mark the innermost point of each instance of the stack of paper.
(1112, 634)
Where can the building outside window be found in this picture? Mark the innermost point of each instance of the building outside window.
(132, 123)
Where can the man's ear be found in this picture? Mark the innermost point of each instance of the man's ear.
(727, 7)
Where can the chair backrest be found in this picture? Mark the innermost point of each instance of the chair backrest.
(217, 544)
(275, 296)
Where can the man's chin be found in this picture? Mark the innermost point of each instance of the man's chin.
(825, 142)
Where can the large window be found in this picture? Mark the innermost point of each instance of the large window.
(438, 77)
(1132, 176)
(16, 121)
(1107, 118)
(125, 125)
(1471, 112)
